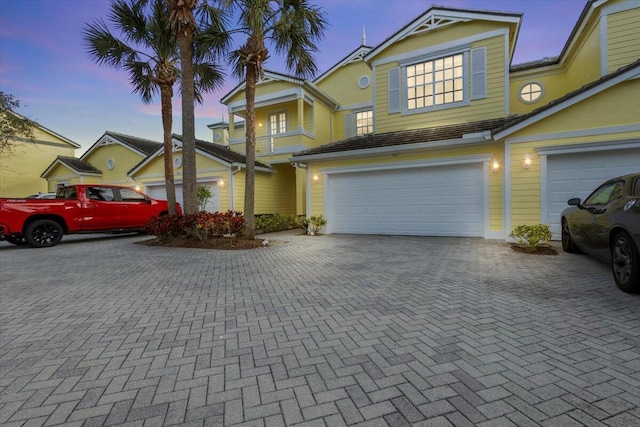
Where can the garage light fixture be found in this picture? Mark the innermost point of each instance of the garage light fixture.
(316, 177)
(495, 166)
(221, 183)
(527, 162)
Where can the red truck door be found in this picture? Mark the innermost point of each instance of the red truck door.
(101, 209)
(135, 209)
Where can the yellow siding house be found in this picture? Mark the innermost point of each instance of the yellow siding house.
(20, 168)
(465, 143)
(107, 161)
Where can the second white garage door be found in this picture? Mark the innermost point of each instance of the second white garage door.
(160, 192)
(428, 201)
(578, 174)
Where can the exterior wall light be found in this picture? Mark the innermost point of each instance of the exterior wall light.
(527, 162)
(221, 183)
(316, 177)
(495, 166)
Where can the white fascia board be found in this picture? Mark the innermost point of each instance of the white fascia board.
(443, 47)
(608, 130)
(45, 129)
(271, 76)
(441, 161)
(394, 149)
(631, 74)
(112, 139)
(213, 157)
(145, 162)
(359, 53)
(306, 89)
(588, 147)
(460, 15)
(360, 106)
(258, 168)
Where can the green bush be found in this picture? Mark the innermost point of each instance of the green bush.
(312, 224)
(203, 196)
(532, 236)
(269, 223)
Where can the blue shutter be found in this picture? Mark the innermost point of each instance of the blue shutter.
(394, 90)
(479, 73)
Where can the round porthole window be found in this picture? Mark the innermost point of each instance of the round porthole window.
(217, 137)
(531, 92)
(363, 82)
(110, 164)
(177, 162)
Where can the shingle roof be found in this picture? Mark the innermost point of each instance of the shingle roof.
(414, 136)
(222, 152)
(144, 145)
(78, 165)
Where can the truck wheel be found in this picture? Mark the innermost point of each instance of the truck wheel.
(16, 239)
(43, 233)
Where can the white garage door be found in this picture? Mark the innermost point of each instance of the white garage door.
(577, 175)
(428, 201)
(160, 192)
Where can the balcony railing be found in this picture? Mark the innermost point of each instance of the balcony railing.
(284, 143)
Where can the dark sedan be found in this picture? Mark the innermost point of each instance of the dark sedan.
(607, 226)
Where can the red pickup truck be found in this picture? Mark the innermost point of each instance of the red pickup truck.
(77, 209)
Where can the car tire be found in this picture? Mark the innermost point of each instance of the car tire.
(567, 241)
(625, 263)
(43, 233)
(16, 239)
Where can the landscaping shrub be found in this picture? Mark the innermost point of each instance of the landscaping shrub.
(313, 224)
(532, 236)
(269, 223)
(201, 225)
(203, 196)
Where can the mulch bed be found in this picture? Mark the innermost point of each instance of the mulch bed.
(221, 243)
(540, 250)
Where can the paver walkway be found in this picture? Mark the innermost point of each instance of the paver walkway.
(327, 330)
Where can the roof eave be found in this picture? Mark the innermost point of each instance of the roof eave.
(480, 138)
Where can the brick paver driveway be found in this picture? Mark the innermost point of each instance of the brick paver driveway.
(327, 330)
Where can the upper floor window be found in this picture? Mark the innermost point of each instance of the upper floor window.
(277, 123)
(364, 122)
(531, 92)
(440, 81)
(436, 82)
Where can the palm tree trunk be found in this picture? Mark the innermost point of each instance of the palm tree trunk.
(166, 92)
(189, 186)
(249, 193)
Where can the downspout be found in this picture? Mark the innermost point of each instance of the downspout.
(232, 172)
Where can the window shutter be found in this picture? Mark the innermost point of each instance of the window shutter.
(348, 125)
(394, 90)
(479, 73)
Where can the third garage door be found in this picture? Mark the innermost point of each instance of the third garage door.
(428, 201)
(578, 174)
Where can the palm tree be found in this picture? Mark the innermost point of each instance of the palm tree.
(293, 27)
(202, 34)
(148, 51)
(183, 24)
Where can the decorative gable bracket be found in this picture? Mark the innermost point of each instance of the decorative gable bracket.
(432, 22)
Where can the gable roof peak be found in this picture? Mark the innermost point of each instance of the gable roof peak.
(437, 17)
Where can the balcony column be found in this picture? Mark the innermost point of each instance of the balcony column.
(300, 114)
